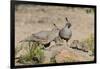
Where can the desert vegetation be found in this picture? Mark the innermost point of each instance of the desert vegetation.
(32, 19)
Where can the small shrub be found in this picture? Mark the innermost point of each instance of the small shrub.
(90, 42)
(17, 49)
(34, 50)
(53, 60)
(89, 10)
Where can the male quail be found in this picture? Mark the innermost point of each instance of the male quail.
(66, 33)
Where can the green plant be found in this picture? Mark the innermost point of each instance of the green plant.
(53, 60)
(34, 50)
(89, 10)
(17, 49)
(90, 42)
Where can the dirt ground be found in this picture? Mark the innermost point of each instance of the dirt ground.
(31, 19)
(34, 18)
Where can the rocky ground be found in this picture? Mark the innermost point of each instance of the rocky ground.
(31, 19)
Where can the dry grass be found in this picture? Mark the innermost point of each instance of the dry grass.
(90, 42)
(33, 50)
(35, 18)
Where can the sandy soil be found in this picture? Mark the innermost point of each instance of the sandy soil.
(31, 19)
(34, 18)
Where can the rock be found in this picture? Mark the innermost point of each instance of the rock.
(75, 44)
(79, 45)
(71, 55)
